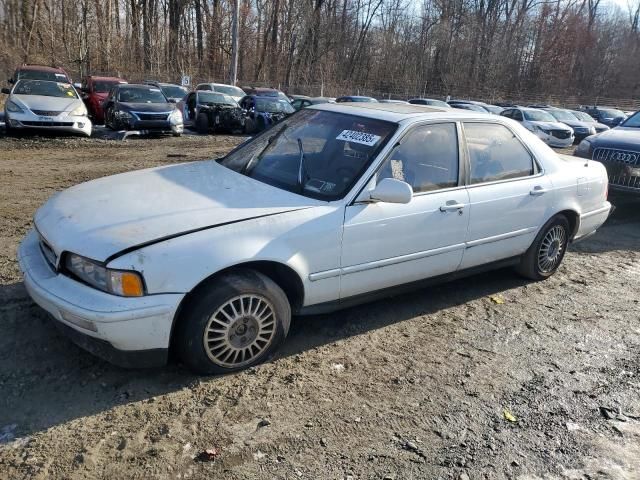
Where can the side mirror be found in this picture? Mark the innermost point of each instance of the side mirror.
(390, 190)
(6, 91)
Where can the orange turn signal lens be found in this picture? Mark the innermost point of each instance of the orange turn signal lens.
(127, 284)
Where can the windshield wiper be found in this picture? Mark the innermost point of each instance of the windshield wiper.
(302, 171)
(258, 156)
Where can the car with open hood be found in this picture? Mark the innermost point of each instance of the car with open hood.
(543, 125)
(208, 111)
(619, 150)
(332, 206)
(45, 105)
(94, 90)
(143, 108)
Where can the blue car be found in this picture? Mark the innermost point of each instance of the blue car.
(619, 150)
(263, 111)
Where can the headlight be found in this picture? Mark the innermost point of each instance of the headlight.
(118, 282)
(175, 116)
(584, 147)
(123, 115)
(13, 107)
(540, 129)
(80, 111)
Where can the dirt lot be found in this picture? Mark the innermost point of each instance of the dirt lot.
(414, 387)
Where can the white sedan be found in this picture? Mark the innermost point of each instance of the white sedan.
(543, 125)
(334, 205)
(45, 105)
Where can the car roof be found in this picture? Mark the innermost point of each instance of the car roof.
(136, 85)
(41, 68)
(398, 112)
(98, 77)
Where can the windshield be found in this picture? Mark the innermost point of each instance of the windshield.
(611, 112)
(273, 105)
(469, 106)
(40, 75)
(212, 97)
(494, 109)
(229, 90)
(633, 121)
(173, 91)
(563, 115)
(314, 153)
(45, 88)
(584, 117)
(103, 86)
(141, 95)
(438, 103)
(538, 116)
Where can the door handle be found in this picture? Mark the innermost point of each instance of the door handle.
(452, 205)
(538, 190)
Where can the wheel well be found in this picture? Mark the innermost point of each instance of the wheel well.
(283, 275)
(573, 219)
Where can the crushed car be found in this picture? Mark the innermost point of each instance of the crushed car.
(263, 112)
(207, 111)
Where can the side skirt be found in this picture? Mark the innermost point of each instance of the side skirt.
(332, 306)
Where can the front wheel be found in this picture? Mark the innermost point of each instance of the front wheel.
(233, 322)
(545, 254)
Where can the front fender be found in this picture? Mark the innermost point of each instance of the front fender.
(305, 240)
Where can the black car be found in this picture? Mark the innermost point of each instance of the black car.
(609, 116)
(208, 111)
(141, 107)
(619, 150)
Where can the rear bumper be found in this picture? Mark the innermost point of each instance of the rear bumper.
(132, 332)
(591, 221)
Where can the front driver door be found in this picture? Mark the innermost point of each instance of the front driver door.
(387, 244)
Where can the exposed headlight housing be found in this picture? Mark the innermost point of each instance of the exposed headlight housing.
(13, 107)
(125, 283)
(122, 115)
(540, 129)
(79, 111)
(175, 117)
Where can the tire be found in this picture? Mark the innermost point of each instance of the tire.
(202, 123)
(236, 343)
(260, 125)
(553, 238)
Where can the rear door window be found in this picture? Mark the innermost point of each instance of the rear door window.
(495, 153)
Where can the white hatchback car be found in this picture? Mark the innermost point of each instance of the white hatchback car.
(543, 125)
(337, 204)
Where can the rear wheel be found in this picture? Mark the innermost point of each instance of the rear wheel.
(234, 321)
(545, 254)
(202, 123)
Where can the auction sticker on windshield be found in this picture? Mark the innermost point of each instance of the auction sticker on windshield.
(358, 137)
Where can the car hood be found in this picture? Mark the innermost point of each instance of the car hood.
(41, 102)
(549, 125)
(618, 137)
(100, 218)
(577, 124)
(147, 107)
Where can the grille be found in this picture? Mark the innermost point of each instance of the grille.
(561, 134)
(49, 254)
(623, 166)
(151, 116)
(46, 113)
(47, 124)
(615, 155)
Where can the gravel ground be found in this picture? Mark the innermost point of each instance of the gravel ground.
(483, 378)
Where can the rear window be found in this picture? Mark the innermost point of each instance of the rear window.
(41, 75)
